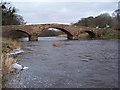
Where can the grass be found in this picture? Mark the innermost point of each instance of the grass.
(6, 62)
(62, 35)
(9, 44)
(113, 34)
(7, 65)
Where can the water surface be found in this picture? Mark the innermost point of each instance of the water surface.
(75, 64)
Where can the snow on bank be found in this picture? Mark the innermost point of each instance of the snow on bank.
(15, 52)
(19, 67)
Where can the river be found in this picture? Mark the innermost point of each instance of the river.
(75, 64)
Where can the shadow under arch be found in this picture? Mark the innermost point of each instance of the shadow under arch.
(24, 34)
(91, 34)
(69, 35)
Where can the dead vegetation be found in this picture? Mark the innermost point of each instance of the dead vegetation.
(9, 44)
(6, 62)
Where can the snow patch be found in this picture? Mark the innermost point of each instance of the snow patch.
(15, 51)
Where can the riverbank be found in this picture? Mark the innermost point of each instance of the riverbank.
(7, 61)
(110, 34)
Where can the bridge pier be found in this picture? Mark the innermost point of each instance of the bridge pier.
(33, 38)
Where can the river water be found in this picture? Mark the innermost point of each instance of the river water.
(75, 64)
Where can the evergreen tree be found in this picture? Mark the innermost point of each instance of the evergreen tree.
(9, 15)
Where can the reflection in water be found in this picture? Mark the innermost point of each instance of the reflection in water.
(75, 64)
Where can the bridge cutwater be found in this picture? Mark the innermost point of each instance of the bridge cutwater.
(33, 31)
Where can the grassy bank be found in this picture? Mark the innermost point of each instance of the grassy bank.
(9, 44)
(112, 34)
(7, 61)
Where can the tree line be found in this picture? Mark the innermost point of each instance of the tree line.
(101, 21)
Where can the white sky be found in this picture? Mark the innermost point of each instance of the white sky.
(61, 11)
(62, 0)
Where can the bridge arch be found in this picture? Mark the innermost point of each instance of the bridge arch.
(24, 32)
(69, 35)
(18, 30)
(91, 34)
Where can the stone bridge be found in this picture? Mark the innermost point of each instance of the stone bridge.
(33, 31)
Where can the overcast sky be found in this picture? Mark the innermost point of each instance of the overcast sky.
(61, 11)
